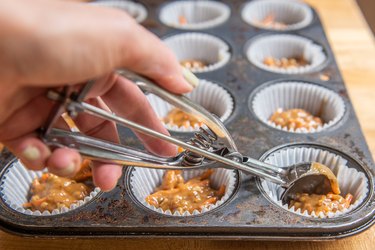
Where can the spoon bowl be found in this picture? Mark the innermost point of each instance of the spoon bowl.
(310, 184)
(310, 178)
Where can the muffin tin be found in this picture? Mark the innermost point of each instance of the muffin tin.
(250, 212)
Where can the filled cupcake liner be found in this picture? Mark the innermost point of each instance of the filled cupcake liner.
(299, 95)
(294, 14)
(349, 179)
(15, 185)
(144, 182)
(198, 14)
(198, 46)
(136, 10)
(209, 95)
(286, 46)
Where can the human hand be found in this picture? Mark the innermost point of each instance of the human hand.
(48, 44)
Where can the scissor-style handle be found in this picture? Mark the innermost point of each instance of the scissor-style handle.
(109, 152)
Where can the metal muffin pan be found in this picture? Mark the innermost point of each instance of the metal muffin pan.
(248, 214)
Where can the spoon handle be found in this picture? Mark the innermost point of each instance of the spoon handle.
(267, 170)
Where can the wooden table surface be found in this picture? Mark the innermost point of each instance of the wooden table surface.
(354, 48)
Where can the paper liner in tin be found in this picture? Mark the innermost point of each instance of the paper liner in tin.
(292, 14)
(209, 95)
(198, 14)
(144, 182)
(136, 10)
(199, 46)
(15, 185)
(286, 46)
(350, 180)
(317, 100)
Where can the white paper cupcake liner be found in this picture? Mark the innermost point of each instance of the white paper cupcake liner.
(144, 182)
(199, 46)
(198, 14)
(209, 95)
(293, 95)
(15, 185)
(136, 10)
(294, 14)
(286, 46)
(349, 179)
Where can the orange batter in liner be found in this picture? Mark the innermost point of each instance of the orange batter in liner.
(285, 63)
(331, 202)
(296, 118)
(270, 22)
(181, 119)
(193, 64)
(175, 194)
(51, 192)
(321, 203)
(182, 20)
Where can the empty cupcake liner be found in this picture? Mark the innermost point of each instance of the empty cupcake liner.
(286, 46)
(209, 95)
(144, 182)
(198, 46)
(136, 10)
(317, 100)
(292, 14)
(15, 185)
(349, 179)
(196, 15)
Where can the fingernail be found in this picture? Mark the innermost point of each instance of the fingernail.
(68, 170)
(31, 153)
(190, 77)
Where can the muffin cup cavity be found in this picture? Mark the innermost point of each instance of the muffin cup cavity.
(277, 15)
(211, 96)
(286, 47)
(194, 15)
(317, 100)
(15, 184)
(144, 182)
(350, 179)
(211, 50)
(136, 10)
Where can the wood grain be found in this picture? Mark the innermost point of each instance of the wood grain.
(354, 48)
